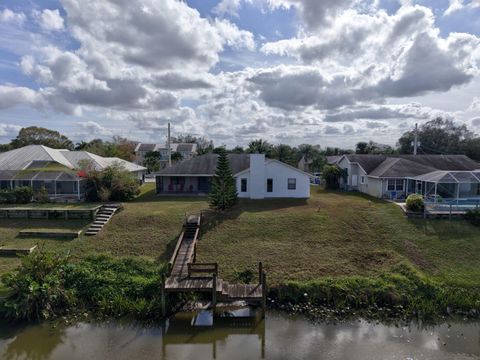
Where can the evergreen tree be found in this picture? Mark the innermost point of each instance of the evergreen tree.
(224, 192)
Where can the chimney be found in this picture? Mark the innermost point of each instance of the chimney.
(257, 179)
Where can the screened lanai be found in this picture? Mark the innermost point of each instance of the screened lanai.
(58, 183)
(449, 187)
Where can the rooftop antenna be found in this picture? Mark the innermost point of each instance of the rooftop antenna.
(169, 148)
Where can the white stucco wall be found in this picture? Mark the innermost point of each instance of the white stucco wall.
(372, 187)
(280, 173)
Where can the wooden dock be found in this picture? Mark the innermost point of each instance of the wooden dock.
(186, 275)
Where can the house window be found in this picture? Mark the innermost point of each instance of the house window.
(292, 184)
(395, 185)
(269, 185)
(399, 185)
(362, 179)
(243, 185)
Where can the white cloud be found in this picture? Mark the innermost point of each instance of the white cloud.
(9, 130)
(14, 95)
(50, 20)
(9, 16)
(458, 5)
(93, 128)
(229, 7)
(352, 71)
(233, 36)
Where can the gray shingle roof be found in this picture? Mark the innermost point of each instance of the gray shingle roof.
(411, 165)
(367, 162)
(399, 167)
(206, 165)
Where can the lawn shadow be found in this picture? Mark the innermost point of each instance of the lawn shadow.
(213, 218)
(166, 255)
(444, 229)
(76, 224)
(352, 194)
(151, 196)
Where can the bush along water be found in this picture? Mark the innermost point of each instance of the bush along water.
(415, 203)
(402, 293)
(473, 217)
(48, 285)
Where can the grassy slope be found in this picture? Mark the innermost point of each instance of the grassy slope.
(335, 234)
(148, 227)
(330, 234)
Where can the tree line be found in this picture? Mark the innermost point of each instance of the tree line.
(437, 136)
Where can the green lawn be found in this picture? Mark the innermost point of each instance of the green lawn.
(148, 226)
(331, 234)
(339, 234)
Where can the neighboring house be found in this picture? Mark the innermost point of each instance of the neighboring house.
(397, 176)
(333, 159)
(255, 176)
(304, 165)
(188, 151)
(57, 170)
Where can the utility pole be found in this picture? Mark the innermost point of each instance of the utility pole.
(415, 141)
(169, 147)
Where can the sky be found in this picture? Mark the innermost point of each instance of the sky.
(330, 72)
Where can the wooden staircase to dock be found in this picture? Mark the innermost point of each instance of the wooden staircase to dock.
(102, 217)
(186, 275)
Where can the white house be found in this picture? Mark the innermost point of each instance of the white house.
(256, 177)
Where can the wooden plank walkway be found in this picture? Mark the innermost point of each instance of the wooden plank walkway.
(183, 279)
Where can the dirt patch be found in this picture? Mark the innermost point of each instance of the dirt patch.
(374, 260)
(416, 256)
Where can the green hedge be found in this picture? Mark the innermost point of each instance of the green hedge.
(18, 195)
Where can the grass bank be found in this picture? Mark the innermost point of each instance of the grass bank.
(147, 227)
(339, 235)
(352, 250)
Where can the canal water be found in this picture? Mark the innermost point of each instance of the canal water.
(238, 335)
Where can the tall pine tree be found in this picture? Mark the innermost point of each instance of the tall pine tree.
(224, 191)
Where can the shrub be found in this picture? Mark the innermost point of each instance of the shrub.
(415, 203)
(42, 196)
(331, 174)
(18, 195)
(38, 288)
(47, 285)
(23, 195)
(7, 197)
(246, 276)
(114, 183)
(473, 216)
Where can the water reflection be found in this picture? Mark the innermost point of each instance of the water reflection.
(243, 329)
(240, 334)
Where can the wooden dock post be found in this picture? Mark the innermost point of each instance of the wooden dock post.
(260, 271)
(264, 293)
(214, 291)
(162, 297)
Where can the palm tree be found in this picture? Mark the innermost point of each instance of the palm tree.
(259, 147)
(81, 145)
(307, 151)
(284, 153)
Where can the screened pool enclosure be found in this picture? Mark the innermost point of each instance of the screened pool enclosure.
(448, 188)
